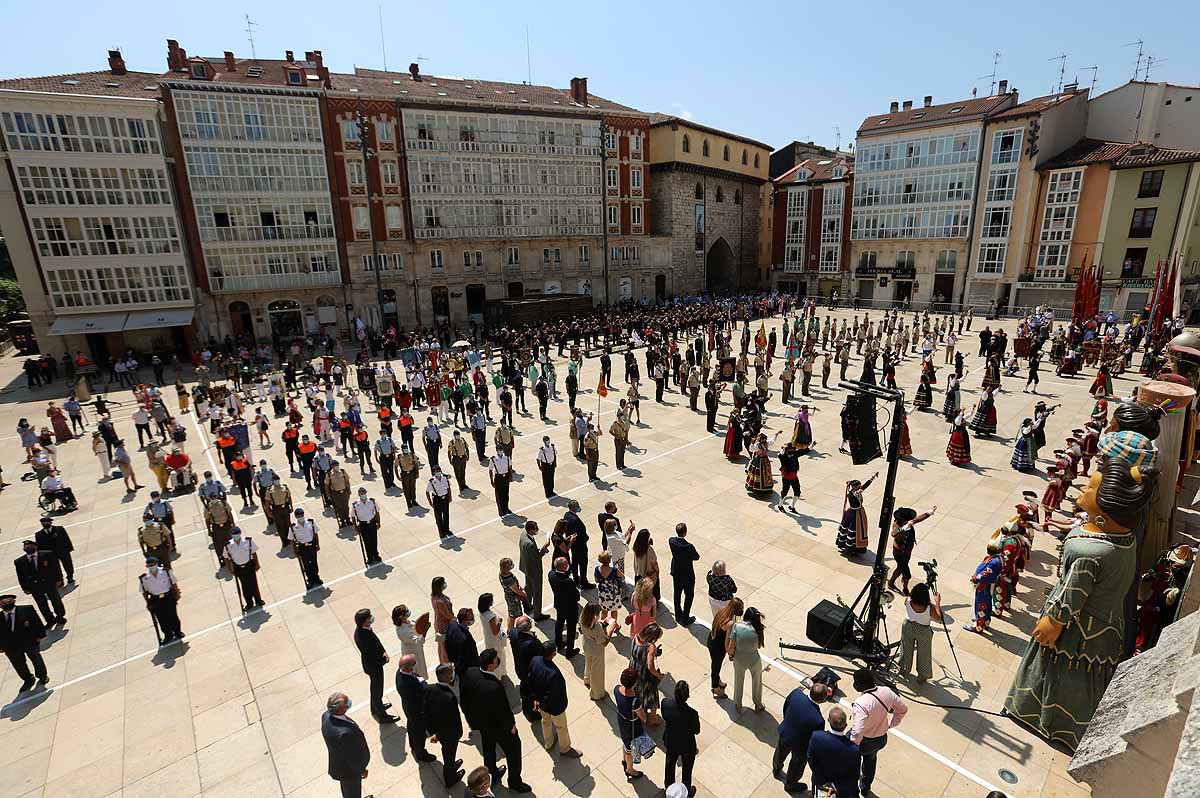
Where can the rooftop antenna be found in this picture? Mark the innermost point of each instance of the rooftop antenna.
(837, 132)
(250, 26)
(382, 42)
(1062, 69)
(992, 76)
(528, 62)
(1138, 68)
(1151, 61)
(1094, 69)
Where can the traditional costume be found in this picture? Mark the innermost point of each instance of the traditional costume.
(984, 420)
(991, 373)
(1022, 458)
(958, 450)
(929, 370)
(1014, 553)
(985, 577)
(733, 437)
(802, 432)
(1052, 496)
(950, 406)
(852, 532)
(1100, 413)
(758, 471)
(905, 441)
(1102, 385)
(924, 395)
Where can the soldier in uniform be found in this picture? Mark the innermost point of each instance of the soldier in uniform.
(591, 449)
(620, 432)
(54, 538)
(547, 461)
(160, 589)
(431, 436)
(337, 487)
(366, 523)
(385, 452)
(305, 545)
(500, 474)
(160, 510)
(460, 454)
(155, 540)
(479, 433)
(279, 504)
(439, 496)
(218, 515)
(410, 467)
(307, 452)
(21, 633)
(39, 575)
(264, 478)
(242, 552)
(504, 439)
(211, 489)
(322, 464)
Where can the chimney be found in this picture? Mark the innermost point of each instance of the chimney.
(908, 105)
(289, 56)
(317, 58)
(894, 108)
(1004, 87)
(579, 90)
(174, 55)
(414, 69)
(230, 64)
(928, 100)
(116, 64)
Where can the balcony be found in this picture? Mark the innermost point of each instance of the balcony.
(222, 284)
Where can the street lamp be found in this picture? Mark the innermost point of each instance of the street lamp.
(364, 127)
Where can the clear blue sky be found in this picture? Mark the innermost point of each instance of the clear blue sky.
(775, 71)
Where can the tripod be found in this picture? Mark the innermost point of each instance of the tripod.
(865, 616)
(931, 580)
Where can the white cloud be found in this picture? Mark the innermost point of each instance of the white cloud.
(681, 111)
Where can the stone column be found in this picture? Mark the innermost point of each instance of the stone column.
(1170, 439)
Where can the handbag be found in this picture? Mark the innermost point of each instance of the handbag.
(643, 747)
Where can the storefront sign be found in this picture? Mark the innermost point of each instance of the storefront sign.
(1137, 282)
(1048, 286)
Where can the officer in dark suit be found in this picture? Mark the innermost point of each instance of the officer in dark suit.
(374, 657)
(52, 537)
(39, 576)
(679, 735)
(711, 403)
(683, 574)
(579, 552)
(801, 717)
(411, 689)
(566, 607)
(460, 643)
(833, 758)
(549, 690)
(485, 700)
(347, 746)
(21, 632)
(525, 646)
(445, 721)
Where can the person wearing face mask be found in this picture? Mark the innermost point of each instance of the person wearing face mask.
(160, 589)
(349, 754)
(337, 488)
(366, 522)
(460, 454)
(305, 545)
(52, 537)
(547, 460)
(21, 633)
(211, 488)
(439, 496)
(444, 720)
(40, 576)
(374, 657)
(242, 552)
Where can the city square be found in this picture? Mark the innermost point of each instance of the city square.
(234, 706)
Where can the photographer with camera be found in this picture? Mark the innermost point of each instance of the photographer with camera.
(922, 608)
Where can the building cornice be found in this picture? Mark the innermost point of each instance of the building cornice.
(698, 169)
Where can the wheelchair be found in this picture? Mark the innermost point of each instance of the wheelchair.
(49, 503)
(182, 479)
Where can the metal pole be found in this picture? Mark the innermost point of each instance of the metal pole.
(368, 153)
(604, 203)
(362, 544)
(154, 620)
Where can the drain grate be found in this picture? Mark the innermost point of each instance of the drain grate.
(1007, 776)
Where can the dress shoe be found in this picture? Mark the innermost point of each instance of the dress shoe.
(426, 757)
(387, 719)
(519, 786)
(26, 685)
(797, 788)
(541, 616)
(570, 753)
(499, 774)
(571, 653)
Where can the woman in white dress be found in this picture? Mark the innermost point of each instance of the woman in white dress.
(411, 642)
(493, 631)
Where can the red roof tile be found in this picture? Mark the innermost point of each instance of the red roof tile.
(657, 119)
(968, 109)
(820, 170)
(1036, 105)
(141, 85)
(1087, 151)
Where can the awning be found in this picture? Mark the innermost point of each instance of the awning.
(88, 323)
(147, 319)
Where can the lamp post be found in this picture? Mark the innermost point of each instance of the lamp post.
(367, 153)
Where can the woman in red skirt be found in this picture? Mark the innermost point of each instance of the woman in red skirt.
(905, 441)
(958, 450)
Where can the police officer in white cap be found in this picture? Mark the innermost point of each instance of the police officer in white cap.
(243, 553)
(306, 544)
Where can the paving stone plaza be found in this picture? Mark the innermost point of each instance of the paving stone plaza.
(235, 708)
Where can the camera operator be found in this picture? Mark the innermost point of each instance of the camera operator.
(922, 608)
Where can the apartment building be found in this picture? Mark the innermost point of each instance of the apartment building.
(810, 242)
(1166, 115)
(916, 173)
(89, 213)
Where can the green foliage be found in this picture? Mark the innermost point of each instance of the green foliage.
(11, 301)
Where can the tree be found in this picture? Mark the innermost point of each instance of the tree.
(11, 301)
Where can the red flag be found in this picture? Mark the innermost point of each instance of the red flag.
(1168, 300)
(1097, 288)
(603, 389)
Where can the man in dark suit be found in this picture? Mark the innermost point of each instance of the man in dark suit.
(411, 689)
(801, 717)
(525, 646)
(21, 632)
(833, 758)
(488, 702)
(52, 537)
(39, 576)
(374, 657)
(550, 699)
(679, 735)
(445, 721)
(566, 607)
(347, 746)
(610, 513)
(683, 574)
(460, 644)
(577, 534)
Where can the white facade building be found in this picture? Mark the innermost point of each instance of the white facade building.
(89, 215)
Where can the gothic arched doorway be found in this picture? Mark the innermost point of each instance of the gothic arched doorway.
(720, 270)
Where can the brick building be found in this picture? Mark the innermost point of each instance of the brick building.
(810, 244)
